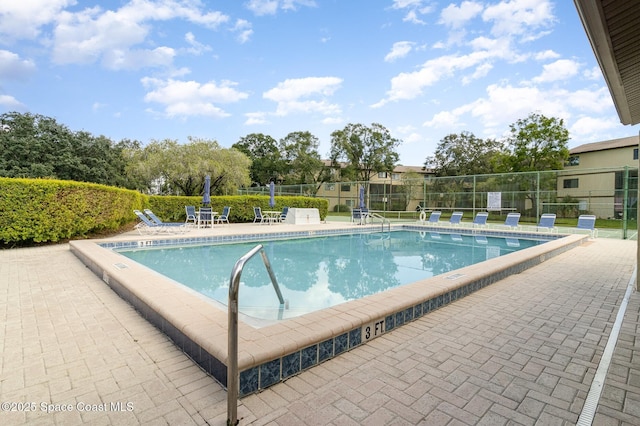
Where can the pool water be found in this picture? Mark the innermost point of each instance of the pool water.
(320, 272)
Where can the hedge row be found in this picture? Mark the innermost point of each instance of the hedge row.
(43, 210)
(172, 209)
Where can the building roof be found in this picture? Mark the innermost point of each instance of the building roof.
(417, 169)
(397, 169)
(604, 145)
(613, 31)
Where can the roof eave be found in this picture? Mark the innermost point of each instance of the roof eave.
(594, 24)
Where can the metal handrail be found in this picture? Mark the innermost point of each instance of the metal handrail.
(232, 355)
(382, 219)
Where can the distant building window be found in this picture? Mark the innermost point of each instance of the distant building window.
(329, 187)
(635, 153)
(574, 160)
(345, 188)
(571, 183)
(395, 176)
(382, 175)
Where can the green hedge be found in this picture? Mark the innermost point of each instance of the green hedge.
(43, 210)
(171, 208)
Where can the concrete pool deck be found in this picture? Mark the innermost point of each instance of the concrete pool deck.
(524, 349)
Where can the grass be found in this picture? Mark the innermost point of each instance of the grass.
(497, 219)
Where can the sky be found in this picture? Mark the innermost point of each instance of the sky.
(220, 70)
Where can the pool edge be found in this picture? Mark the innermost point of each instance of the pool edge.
(274, 353)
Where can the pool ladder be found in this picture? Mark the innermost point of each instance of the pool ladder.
(232, 355)
(382, 220)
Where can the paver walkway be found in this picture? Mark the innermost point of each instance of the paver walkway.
(521, 351)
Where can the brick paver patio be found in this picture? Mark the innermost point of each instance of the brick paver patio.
(521, 351)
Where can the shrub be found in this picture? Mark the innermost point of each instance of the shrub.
(42, 210)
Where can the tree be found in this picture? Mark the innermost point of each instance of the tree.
(365, 150)
(168, 167)
(464, 154)
(302, 162)
(36, 146)
(536, 143)
(266, 159)
(411, 187)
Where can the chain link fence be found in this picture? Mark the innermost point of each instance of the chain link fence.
(611, 194)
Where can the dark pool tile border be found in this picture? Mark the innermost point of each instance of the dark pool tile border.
(323, 351)
(147, 242)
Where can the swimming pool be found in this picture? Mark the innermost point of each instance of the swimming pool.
(272, 351)
(323, 271)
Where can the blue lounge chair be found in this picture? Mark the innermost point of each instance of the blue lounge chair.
(257, 215)
(587, 222)
(148, 226)
(283, 215)
(192, 217)
(434, 218)
(512, 220)
(177, 226)
(360, 216)
(456, 218)
(224, 216)
(547, 222)
(480, 219)
(205, 216)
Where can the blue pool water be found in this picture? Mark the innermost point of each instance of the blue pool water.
(320, 272)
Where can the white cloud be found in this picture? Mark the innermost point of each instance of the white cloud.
(399, 49)
(288, 95)
(244, 30)
(12, 67)
(190, 98)
(594, 73)
(504, 104)
(480, 71)
(415, 8)
(589, 127)
(196, 48)
(519, 17)
(254, 118)
(292, 89)
(409, 85)
(11, 103)
(93, 35)
(24, 19)
(138, 58)
(456, 16)
(547, 54)
(562, 69)
(402, 4)
(270, 7)
(408, 134)
(444, 119)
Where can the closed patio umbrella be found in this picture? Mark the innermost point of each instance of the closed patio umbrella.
(206, 197)
(362, 206)
(272, 191)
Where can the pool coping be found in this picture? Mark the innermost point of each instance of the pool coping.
(273, 353)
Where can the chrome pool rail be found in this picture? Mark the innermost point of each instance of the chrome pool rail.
(233, 375)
